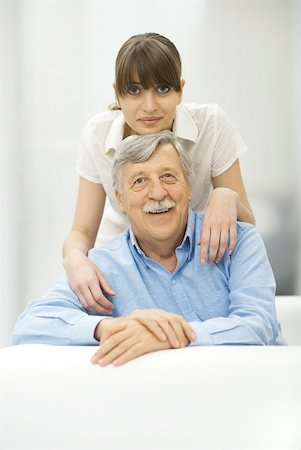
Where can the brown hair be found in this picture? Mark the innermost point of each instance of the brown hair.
(151, 57)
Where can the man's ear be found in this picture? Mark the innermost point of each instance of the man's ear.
(120, 202)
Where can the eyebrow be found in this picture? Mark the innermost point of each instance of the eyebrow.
(136, 174)
(144, 173)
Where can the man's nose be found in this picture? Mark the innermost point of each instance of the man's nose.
(149, 101)
(157, 190)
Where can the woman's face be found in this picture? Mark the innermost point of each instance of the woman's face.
(149, 110)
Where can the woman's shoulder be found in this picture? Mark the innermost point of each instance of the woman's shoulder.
(202, 109)
(205, 115)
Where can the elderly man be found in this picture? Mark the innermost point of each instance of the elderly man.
(164, 297)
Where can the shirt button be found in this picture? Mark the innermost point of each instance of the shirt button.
(173, 282)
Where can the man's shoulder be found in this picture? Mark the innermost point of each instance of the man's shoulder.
(112, 250)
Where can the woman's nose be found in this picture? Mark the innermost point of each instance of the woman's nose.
(149, 103)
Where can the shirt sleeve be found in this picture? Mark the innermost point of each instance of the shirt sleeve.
(228, 144)
(252, 319)
(58, 319)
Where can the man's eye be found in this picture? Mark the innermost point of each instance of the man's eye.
(139, 181)
(134, 90)
(163, 89)
(168, 177)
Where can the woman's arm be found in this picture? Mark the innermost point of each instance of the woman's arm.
(227, 204)
(84, 277)
(88, 213)
(232, 179)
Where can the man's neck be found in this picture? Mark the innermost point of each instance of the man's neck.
(162, 252)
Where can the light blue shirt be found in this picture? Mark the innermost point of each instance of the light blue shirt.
(230, 302)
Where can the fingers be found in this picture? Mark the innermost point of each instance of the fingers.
(133, 352)
(91, 296)
(117, 345)
(166, 325)
(188, 331)
(88, 283)
(214, 242)
(204, 242)
(123, 339)
(90, 300)
(108, 347)
(183, 331)
(104, 284)
(220, 244)
(214, 245)
(232, 239)
(111, 326)
(98, 301)
(172, 332)
(126, 345)
(153, 326)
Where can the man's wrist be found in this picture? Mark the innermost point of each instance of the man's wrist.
(98, 331)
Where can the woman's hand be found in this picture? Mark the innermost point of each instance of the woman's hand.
(88, 283)
(219, 225)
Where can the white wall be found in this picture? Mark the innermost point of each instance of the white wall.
(10, 266)
(297, 121)
(240, 54)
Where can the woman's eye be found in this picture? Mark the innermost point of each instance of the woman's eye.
(163, 89)
(134, 90)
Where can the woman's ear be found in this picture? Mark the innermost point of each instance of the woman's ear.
(116, 97)
(181, 93)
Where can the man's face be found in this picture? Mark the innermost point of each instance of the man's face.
(160, 178)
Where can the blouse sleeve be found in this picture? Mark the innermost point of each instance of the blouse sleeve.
(228, 145)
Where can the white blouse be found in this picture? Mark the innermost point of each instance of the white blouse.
(204, 130)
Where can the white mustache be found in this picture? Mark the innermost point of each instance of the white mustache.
(155, 206)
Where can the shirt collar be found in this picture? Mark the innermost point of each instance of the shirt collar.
(184, 127)
(189, 236)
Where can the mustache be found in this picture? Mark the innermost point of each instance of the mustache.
(154, 206)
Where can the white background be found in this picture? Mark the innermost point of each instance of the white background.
(56, 71)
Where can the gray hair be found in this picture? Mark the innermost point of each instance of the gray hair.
(139, 148)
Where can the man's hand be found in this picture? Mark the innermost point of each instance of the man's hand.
(165, 325)
(142, 331)
(130, 341)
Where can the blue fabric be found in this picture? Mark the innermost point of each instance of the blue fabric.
(230, 302)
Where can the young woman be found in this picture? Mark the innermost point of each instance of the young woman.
(148, 89)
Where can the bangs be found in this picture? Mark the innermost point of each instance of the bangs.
(150, 67)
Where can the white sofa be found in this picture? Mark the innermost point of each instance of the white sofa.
(229, 397)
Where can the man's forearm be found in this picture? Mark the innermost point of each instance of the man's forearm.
(58, 318)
